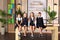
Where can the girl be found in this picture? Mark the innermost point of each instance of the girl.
(25, 23)
(18, 23)
(32, 24)
(39, 22)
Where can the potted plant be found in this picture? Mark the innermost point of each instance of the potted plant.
(51, 14)
(3, 20)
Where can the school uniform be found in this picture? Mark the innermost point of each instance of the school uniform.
(32, 21)
(19, 22)
(39, 22)
(25, 22)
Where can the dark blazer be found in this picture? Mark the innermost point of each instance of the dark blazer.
(25, 21)
(40, 22)
(32, 22)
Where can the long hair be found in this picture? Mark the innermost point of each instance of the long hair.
(33, 15)
(26, 15)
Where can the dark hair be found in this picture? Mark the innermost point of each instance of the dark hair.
(18, 14)
(39, 13)
(33, 15)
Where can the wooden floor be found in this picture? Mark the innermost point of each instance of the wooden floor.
(10, 36)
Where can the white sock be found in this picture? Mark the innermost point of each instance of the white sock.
(32, 35)
(24, 35)
(19, 33)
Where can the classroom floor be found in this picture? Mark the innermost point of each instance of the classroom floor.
(11, 36)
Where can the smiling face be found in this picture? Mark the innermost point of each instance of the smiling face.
(32, 14)
(19, 15)
(25, 15)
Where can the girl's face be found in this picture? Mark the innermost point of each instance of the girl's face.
(19, 15)
(39, 14)
(31, 14)
(25, 15)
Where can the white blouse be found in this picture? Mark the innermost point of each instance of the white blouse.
(19, 19)
(32, 18)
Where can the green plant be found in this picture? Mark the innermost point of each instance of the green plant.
(19, 12)
(3, 18)
(10, 18)
(51, 14)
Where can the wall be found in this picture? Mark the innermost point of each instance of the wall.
(59, 12)
(1, 4)
(23, 6)
(49, 2)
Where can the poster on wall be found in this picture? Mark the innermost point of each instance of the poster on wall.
(37, 6)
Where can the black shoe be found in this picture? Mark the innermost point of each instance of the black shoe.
(32, 37)
(19, 37)
(41, 35)
(24, 36)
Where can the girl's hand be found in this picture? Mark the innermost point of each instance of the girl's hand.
(18, 24)
(28, 19)
(16, 21)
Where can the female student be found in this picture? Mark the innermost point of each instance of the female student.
(25, 23)
(32, 24)
(18, 23)
(40, 24)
